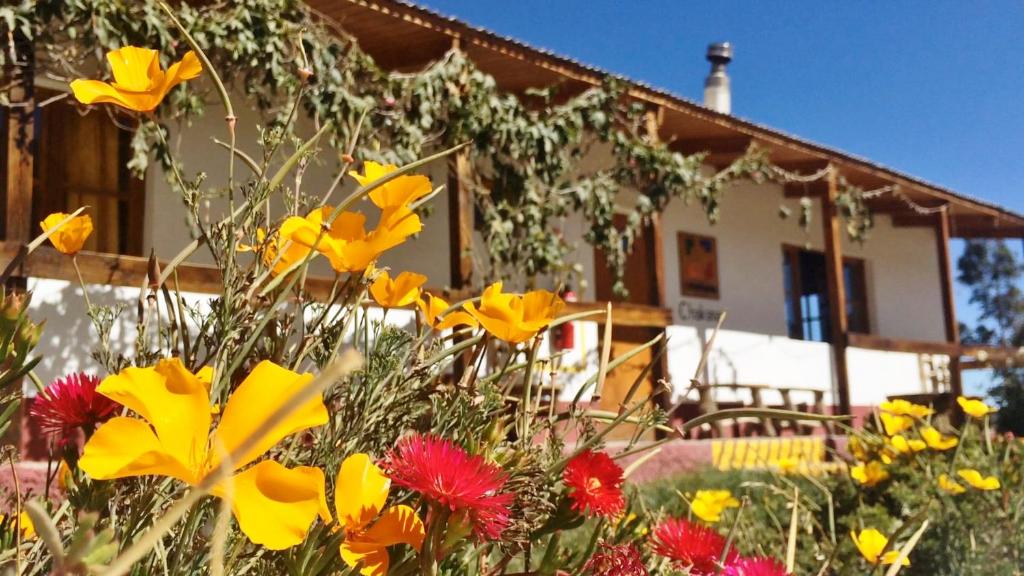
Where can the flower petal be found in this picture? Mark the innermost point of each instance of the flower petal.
(96, 92)
(398, 525)
(185, 69)
(124, 447)
(173, 400)
(263, 391)
(134, 68)
(360, 491)
(275, 505)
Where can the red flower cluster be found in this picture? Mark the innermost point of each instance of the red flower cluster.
(595, 484)
(71, 403)
(755, 567)
(446, 474)
(690, 545)
(620, 560)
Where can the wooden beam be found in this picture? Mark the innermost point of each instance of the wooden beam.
(832, 228)
(720, 151)
(460, 220)
(948, 298)
(20, 145)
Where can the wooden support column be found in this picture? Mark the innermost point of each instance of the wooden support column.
(942, 231)
(460, 220)
(652, 121)
(20, 147)
(836, 289)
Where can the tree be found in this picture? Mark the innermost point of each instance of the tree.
(993, 273)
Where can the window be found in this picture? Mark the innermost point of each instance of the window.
(807, 303)
(698, 265)
(81, 160)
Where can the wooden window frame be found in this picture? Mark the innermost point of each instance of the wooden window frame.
(858, 297)
(685, 290)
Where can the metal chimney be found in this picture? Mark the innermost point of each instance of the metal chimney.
(717, 95)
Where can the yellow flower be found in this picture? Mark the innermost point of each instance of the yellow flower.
(975, 408)
(708, 505)
(359, 496)
(24, 523)
(857, 448)
(895, 424)
(400, 192)
(871, 542)
(950, 486)
(904, 446)
(935, 439)
(139, 82)
(402, 291)
(975, 479)
(271, 246)
(274, 505)
(347, 244)
(515, 318)
(436, 307)
(70, 238)
(900, 407)
(869, 474)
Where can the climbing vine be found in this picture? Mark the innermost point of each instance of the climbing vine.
(527, 153)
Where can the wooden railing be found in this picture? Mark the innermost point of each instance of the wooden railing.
(117, 270)
(979, 353)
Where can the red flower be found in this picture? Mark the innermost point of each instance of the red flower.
(762, 566)
(70, 403)
(690, 545)
(621, 560)
(446, 474)
(595, 483)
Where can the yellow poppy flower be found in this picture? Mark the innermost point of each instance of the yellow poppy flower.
(347, 244)
(399, 192)
(975, 408)
(949, 485)
(870, 473)
(139, 82)
(895, 424)
(435, 307)
(708, 505)
(900, 407)
(975, 479)
(274, 505)
(514, 318)
(271, 246)
(359, 496)
(24, 523)
(871, 542)
(402, 291)
(936, 441)
(70, 238)
(904, 446)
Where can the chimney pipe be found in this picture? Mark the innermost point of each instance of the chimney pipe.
(717, 95)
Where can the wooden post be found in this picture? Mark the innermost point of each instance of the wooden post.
(460, 220)
(836, 289)
(948, 300)
(652, 125)
(20, 147)
(17, 205)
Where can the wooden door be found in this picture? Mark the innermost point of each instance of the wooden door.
(641, 282)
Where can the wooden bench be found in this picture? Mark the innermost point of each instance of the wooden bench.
(747, 426)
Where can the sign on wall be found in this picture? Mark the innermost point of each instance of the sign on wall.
(698, 265)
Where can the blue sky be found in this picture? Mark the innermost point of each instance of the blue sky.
(934, 89)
